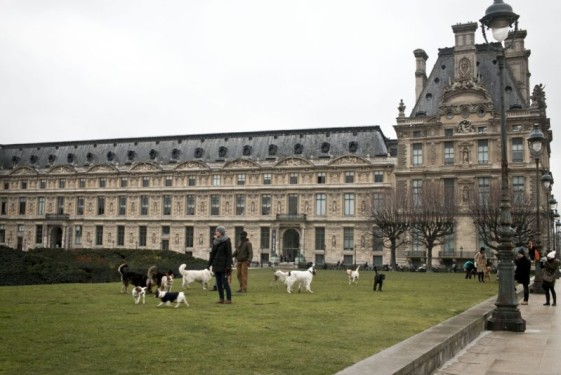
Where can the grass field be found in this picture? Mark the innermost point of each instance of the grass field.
(94, 329)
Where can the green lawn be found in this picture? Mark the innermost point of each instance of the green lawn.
(94, 329)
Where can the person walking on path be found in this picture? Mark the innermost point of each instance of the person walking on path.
(522, 273)
(221, 262)
(481, 263)
(243, 255)
(550, 267)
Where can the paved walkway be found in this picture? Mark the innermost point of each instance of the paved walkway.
(536, 351)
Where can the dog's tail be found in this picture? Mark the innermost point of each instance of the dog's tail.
(151, 272)
(182, 268)
(122, 270)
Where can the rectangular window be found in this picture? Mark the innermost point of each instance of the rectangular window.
(518, 189)
(78, 235)
(2, 234)
(348, 239)
(38, 234)
(449, 193)
(102, 182)
(216, 180)
(80, 205)
(517, 150)
(482, 151)
(23, 185)
(320, 238)
(215, 205)
(265, 238)
(60, 205)
(448, 153)
(6, 185)
(120, 235)
(240, 204)
(377, 201)
(20, 228)
(145, 181)
(101, 205)
(142, 234)
(4, 207)
(42, 184)
(144, 205)
(378, 176)
(99, 235)
(22, 203)
(321, 204)
(190, 204)
(166, 230)
(267, 179)
(168, 181)
(417, 134)
(192, 180)
(349, 177)
(417, 154)
(293, 204)
(82, 183)
(166, 203)
(482, 129)
(41, 206)
(349, 204)
(124, 182)
(122, 205)
(448, 133)
(241, 179)
(265, 204)
(189, 237)
(293, 179)
(417, 191)
(483, 190)
(321, 178)
(61, 183)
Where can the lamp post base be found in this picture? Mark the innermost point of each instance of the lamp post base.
(506, 319)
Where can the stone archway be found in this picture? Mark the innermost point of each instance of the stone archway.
(290, 245)
(55, 237)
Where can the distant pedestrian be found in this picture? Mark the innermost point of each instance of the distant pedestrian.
(481, 264)
(533, 252)
(221, 262)
(550, 267)
(522, 273)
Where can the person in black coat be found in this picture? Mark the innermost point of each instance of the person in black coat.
(221, 262)
(522, 273)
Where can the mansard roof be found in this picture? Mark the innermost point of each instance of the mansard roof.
(329, 143)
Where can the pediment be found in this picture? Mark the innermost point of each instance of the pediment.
(469, 91)
(349, 160)
(241, 163)
(24, 171)
(102, 168)
(294, 162)
(145, 167)
(190, 165)
(62, 169)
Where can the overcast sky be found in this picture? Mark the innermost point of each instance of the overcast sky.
(92, 69)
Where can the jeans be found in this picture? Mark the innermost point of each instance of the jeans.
(547, 288)
(222, 284)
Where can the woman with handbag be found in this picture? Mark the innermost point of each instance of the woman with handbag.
(550, 267)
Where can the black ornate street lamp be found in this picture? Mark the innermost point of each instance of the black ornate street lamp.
(499, 17)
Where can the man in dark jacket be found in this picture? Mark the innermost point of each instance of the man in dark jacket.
(243, 255)
(221, 262)
(522, 273)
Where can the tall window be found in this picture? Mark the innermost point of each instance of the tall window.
(240, 204)
(321, 177)
(378, 176)
(168, 181)
(267, 179)
(120, 235)
(293, 179)
(192, 180)
(4, 206)
(215, 205)
(81, 183)
(417, 154)
(241, 179)
(517, 150)
(320, 238)
(144, 205)
(449, 244)
(190, 205)
(23, 185)
(99, 235)
(349, 177)
(265, 238)
(449, 193)
(321, 204)
(417, 190)
(142, 234)
(22, 204)
(293, 204)
(448, 153)
(482, 151)
(348, 239)
(41, 206)
(2, 234)
(102, 182)
(145, 181)
(78, 234)
(377, 200)
(62, 183)
(216, 180)
(122, 205)
(80, 206)
(101, 205)
(518, 189)
(349, 204)
(59, 205)
(42, 183)
(265, 204)
(39, 234)
(483, 190)
(166, 203)
(189, 237)
(124, 182)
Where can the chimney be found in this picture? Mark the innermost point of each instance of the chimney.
(465, 51)
(517, 61)
(420, 71)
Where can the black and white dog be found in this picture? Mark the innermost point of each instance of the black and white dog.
(169, 297)
(131, 278)
(138, 293)
(378, 279)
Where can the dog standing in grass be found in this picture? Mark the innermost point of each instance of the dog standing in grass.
(303, 278)
(138, 293)
(169, 297)
(378, 280)
(353, 275)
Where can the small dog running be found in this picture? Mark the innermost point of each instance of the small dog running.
(190, 276)
(169, 297)
(378, 280)
(303, 278)
(353, 275)
(138, 293)
(279, 277)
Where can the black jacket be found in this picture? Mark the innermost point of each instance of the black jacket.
(221, 256)
(522, 272)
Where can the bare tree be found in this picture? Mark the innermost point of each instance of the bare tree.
(431, 216)
(388, 220)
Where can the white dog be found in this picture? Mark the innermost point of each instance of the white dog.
(279, 277)
(303, 278)
(167, 282)
(353, 275)
(138, 293)
(190, 276)
(169, 297)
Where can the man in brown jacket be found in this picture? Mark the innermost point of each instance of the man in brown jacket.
(244, 255)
